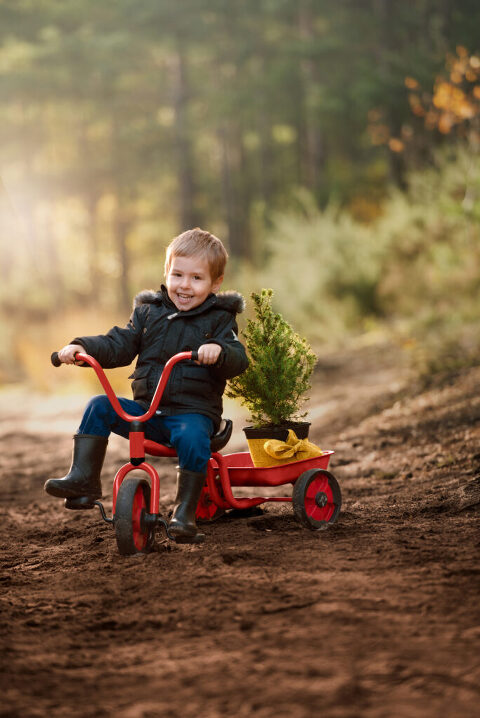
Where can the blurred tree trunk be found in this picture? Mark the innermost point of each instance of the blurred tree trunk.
(90, 194)
(122, 223)
(8, 221)
(446, 9)
(53, 274)
(228, 194)
(93, 245)
(267, 159)
(25, 208)
(123, 215)
(188, 216)
(266, 185)
(244, 196)
(234, 191)
(384, 10)
(312, 142)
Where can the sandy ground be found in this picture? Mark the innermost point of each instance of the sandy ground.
(376, 617)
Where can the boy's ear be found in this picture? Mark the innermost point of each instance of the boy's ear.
(217, 284)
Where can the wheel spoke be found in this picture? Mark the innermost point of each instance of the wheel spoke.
(310, 506)
(319, 513)
(319, 483)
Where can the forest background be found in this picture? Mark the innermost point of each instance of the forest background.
(333, 146)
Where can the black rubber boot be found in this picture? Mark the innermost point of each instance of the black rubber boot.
(83, 479)
(182, 525)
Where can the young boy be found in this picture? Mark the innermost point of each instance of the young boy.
(185, 314)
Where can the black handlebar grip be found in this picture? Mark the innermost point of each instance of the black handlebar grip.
(194, 355)
(55, 360)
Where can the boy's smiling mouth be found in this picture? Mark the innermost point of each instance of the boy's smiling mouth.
(184, 297)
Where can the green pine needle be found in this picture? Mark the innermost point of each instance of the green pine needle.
(273, 387)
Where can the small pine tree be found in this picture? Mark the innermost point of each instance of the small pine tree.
(273, 387)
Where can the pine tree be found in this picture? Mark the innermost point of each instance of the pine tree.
(273, 387)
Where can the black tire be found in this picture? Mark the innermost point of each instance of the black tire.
(133, 502)
(316, 499)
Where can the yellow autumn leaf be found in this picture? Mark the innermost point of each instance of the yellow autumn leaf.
(416, 105)
(411, 83)
(446, 97)
(396, 145)
(465, 110)
(445, 123)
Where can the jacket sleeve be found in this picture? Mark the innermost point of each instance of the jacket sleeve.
(233, 359)
(119, 346)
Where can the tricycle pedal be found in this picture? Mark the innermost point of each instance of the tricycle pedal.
(104, 515)
(80, 503)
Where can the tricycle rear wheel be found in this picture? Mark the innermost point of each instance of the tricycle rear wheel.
(132, 532)
(316, 499)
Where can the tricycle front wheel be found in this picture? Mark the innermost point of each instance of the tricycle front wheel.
(316, 499)
(132, 532)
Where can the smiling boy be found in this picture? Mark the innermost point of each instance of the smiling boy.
(186, 314)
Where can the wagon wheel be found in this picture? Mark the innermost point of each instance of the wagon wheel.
(316, 499)
(207, 509)
(132, 533)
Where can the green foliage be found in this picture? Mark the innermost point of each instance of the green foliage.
(213, 113)
(281, 363)
(335, 276)
(324, 268)
(124, 122)
(445, 347)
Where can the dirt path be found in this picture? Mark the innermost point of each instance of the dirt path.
(376, 617)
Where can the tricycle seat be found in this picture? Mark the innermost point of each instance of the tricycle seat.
(222, 437)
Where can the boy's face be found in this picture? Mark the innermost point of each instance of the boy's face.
(189, 282)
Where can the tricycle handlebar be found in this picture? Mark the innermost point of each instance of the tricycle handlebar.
(56, 361)
(80, 356)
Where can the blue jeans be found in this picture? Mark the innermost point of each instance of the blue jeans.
(189, 434)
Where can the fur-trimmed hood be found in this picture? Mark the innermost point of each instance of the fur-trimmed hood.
(230, 301)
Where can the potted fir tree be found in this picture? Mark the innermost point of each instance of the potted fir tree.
(274, 386)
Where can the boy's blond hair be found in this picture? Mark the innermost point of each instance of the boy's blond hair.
(198, 242)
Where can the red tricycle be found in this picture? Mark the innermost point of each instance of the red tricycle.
(316, 495)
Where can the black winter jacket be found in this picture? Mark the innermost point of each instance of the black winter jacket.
(156, 331)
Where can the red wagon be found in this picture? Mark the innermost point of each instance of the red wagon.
(316, 495)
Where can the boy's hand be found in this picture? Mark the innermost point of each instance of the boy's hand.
(67, 354)
(209, 353)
